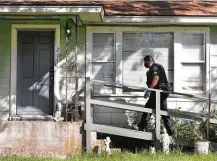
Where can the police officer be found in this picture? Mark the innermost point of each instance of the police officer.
(156, 79)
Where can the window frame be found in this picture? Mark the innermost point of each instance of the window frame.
(89, 51)
(151, 31)
(178, 60)
(177, 32)
(94, 62)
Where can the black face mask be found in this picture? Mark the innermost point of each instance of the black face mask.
(146, 65)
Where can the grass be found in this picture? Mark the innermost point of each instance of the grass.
(123, 157)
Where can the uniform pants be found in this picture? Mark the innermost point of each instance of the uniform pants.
(151, 103)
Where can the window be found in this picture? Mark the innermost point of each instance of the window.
(136, 46)
(103, 61)
(192, 59)
(193, 62)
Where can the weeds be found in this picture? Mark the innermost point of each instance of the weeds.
(123, 156)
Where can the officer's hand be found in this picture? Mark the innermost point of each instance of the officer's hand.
(147, 94)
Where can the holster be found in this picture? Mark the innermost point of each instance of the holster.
(165, 87)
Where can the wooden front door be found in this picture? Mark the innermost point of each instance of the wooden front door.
(35, 66)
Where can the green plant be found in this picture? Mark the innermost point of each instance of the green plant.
(189, 129)
(126, 156)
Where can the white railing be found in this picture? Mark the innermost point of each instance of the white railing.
(91, 127)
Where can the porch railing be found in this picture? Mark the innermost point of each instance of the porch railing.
(91, 127)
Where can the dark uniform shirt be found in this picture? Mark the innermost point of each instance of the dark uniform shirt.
(157, 69)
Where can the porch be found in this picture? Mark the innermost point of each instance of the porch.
(93, 128)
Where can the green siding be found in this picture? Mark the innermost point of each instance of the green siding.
(5, 47)
(5, 55)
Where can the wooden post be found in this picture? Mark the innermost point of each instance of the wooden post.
(88, 114)
(76, 113)
(157, 122)
(208, 119)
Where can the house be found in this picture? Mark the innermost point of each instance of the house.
(107, 40)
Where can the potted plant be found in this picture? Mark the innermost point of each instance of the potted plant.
(201, 143)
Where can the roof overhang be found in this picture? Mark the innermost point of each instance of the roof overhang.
(86, 13)
(194, 20)
(95, 15)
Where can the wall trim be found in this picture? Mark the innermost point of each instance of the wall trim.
(13, 80)
(161, 19)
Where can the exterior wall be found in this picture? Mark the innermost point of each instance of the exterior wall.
(67, 80)
(40, 138)
(71, 70)
(5, 58)
(101, 114)
(116, 117)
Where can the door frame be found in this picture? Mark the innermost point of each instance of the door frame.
(13, 78)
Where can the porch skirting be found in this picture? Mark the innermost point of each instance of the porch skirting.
(40, 138)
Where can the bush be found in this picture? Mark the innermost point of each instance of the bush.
(193, 130)
(189, 130)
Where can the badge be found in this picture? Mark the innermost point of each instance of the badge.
(155, 68)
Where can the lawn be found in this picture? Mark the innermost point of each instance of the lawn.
(124, 157)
